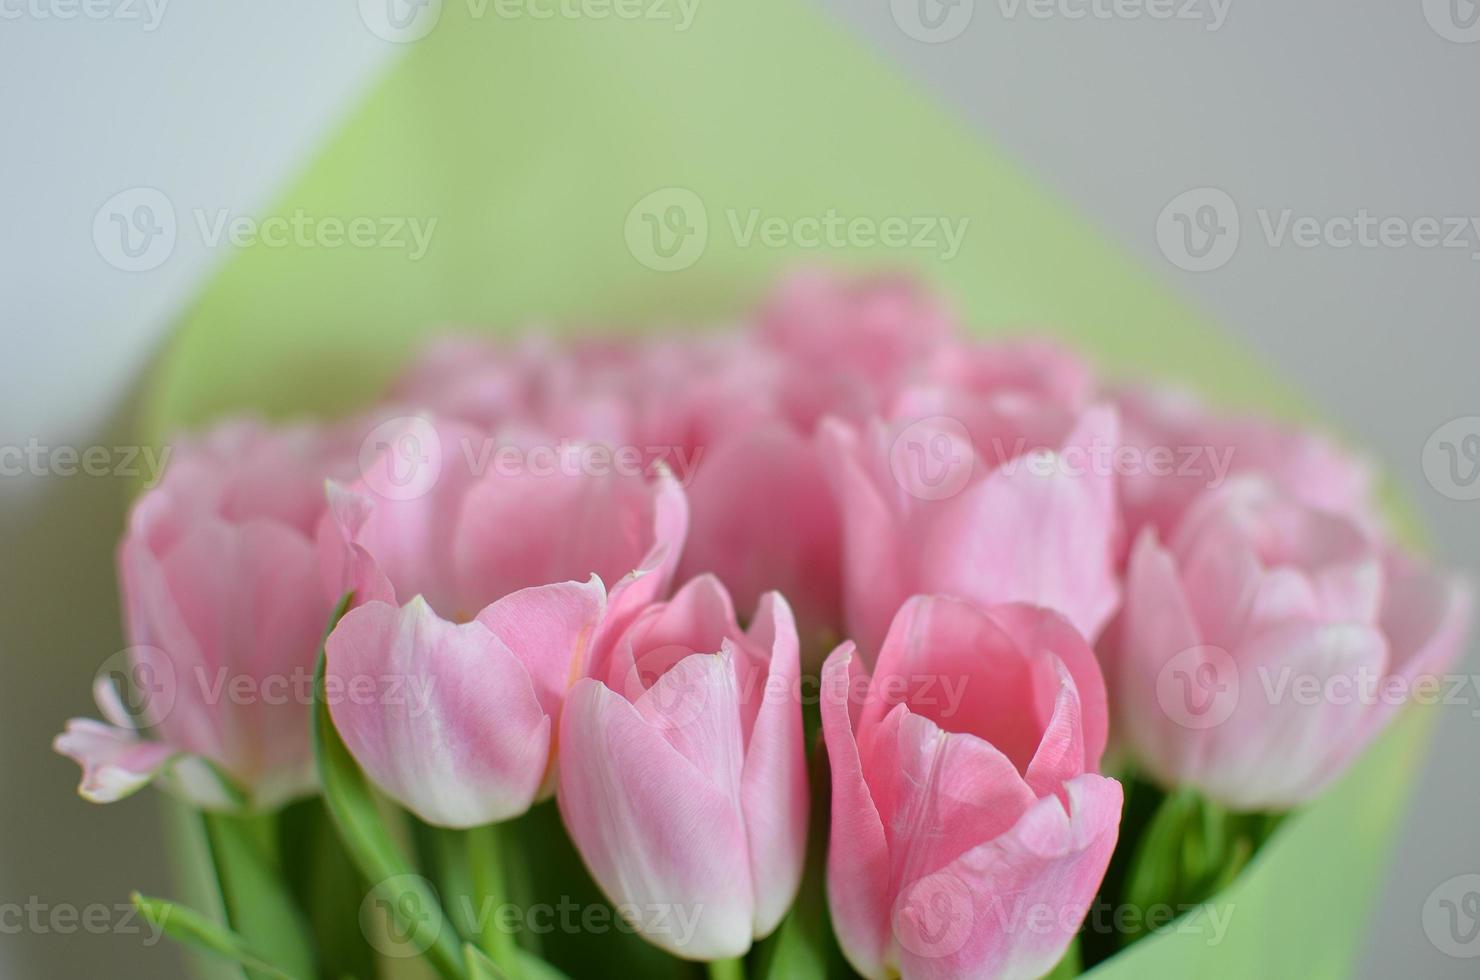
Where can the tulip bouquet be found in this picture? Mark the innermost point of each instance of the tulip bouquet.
(838, 643)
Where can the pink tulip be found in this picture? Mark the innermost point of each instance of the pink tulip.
(1267, 642)
(477, 599)
(1001, 499)
(683, 777)
(223, 613)
(969, 829)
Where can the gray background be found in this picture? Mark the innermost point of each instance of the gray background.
(1321, 107)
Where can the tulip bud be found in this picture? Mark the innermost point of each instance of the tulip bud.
(969, 829)
(683, 781)
(223, 614)
(1267, 642)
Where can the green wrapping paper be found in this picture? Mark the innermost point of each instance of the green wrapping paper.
(550, 152)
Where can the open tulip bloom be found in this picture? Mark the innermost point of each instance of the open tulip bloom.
(550, 625)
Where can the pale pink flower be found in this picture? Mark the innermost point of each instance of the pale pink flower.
(969, 829)
(223, 615)
(1266, 643)
(683, 777)
(477, 597)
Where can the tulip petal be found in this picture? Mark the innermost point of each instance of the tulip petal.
(773, 789)
(548, 628)
(875, 579)
(115, 762)
(444, 718)
(1157, 626)
(1038, 632)
(858, 868)
(231, 611)
(1009, 908)
(1301, 696)
(656, 833)
(951, 662)
(1060, 755)
(652, 577)
(1034, 535)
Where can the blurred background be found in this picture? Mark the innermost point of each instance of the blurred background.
(1215, 141)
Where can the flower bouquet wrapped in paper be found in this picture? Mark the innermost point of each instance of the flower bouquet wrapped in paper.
(810, 630)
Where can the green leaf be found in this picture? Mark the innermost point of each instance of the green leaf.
(257, 902)
(328, 887)
(1069, 965)
(1191, 850)
(407, 898)
(531, 967)
(189, 927)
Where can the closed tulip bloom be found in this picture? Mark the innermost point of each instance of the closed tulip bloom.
(970, 830)
(1001, 499)
(683, 775)
(477, 596)
(1266, 643)
(223, 614)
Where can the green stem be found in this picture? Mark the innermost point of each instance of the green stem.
(727, 969)
(487, 858)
